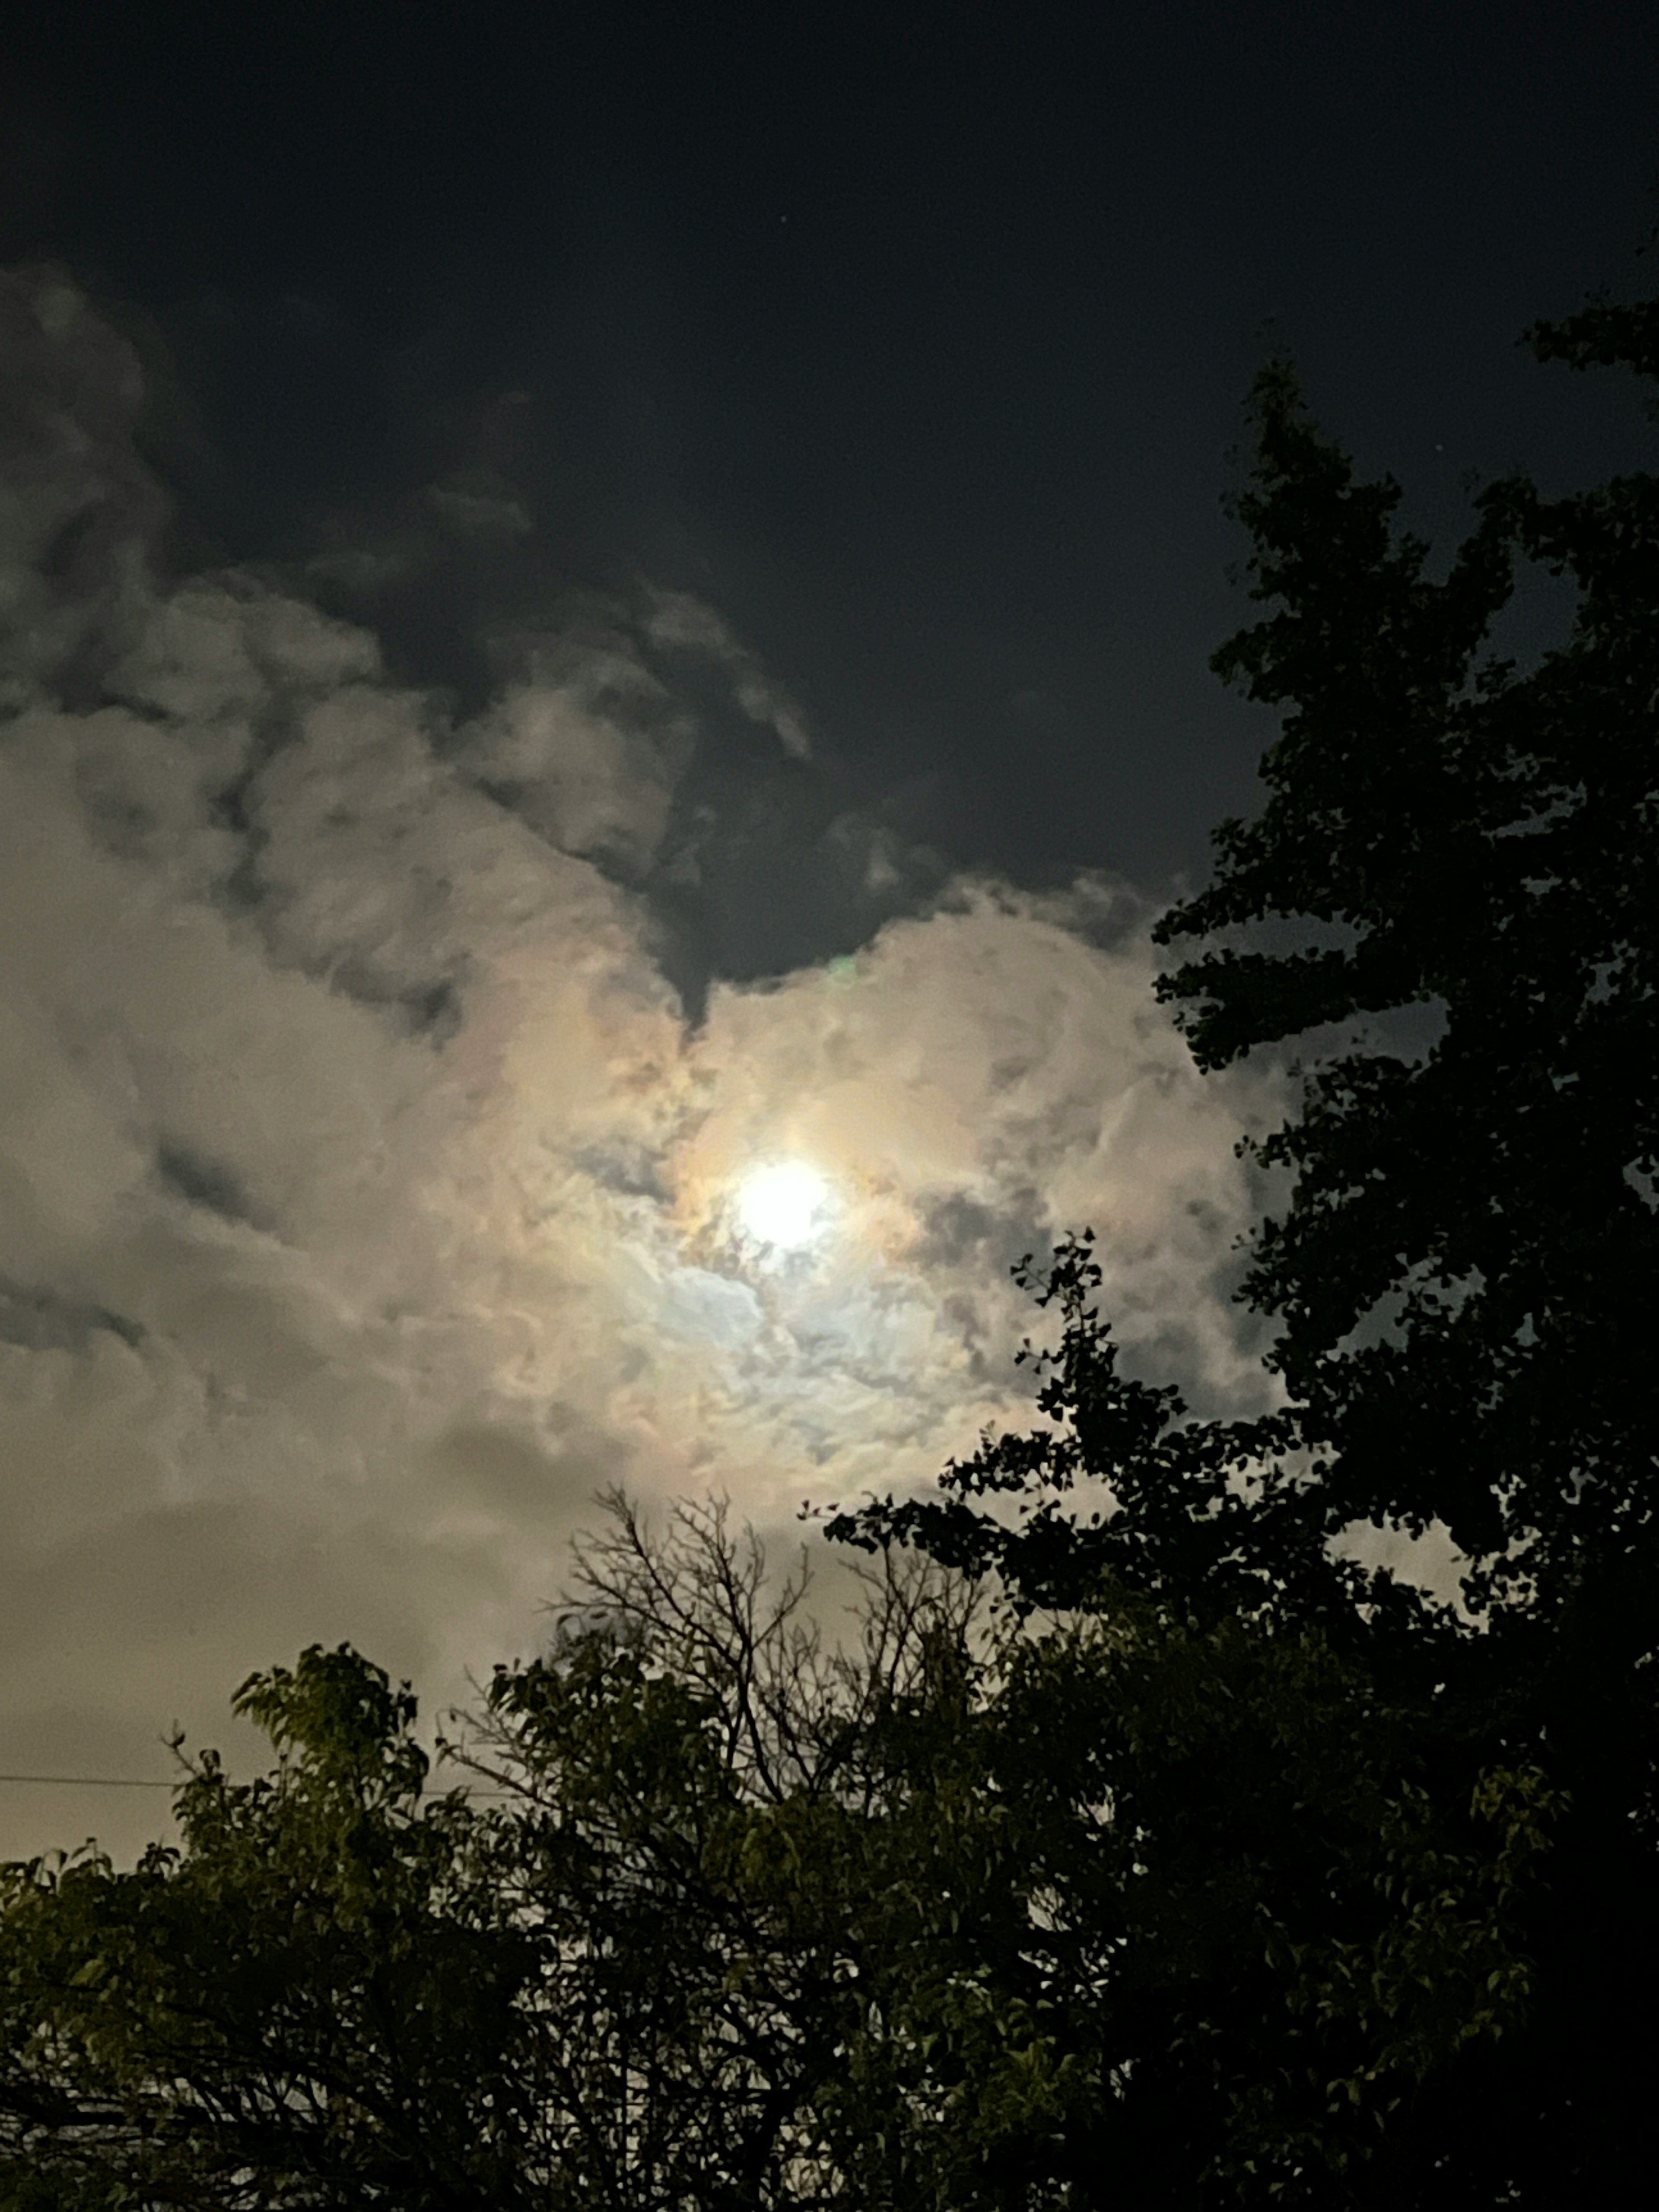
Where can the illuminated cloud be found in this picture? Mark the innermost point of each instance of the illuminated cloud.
(369, 1195)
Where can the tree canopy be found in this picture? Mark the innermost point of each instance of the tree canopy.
(637, 1970)
(960, 1916)
(1461, 1278)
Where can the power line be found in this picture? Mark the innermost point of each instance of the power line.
(129, 1782)
(91, 1781)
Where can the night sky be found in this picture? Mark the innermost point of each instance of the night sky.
(597, 602)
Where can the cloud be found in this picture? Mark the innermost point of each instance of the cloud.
(368, 1184)
(677, 619)
(78, 511)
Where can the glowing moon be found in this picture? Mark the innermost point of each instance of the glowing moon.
(785, 1206)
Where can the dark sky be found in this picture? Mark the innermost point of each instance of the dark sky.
(912, 339)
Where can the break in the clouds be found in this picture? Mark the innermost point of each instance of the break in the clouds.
(372, 1180)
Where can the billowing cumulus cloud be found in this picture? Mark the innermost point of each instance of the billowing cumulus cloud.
(371, 1183)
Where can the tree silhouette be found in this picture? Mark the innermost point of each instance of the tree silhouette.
(1461, 1280)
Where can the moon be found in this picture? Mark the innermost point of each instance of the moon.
(785, 1204)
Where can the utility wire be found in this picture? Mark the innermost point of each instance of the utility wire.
(128, 1782)
(91, 1781)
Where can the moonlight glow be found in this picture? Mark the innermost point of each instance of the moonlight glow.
(785, 1206)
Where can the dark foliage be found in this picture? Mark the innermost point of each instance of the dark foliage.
(1463, 1279)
